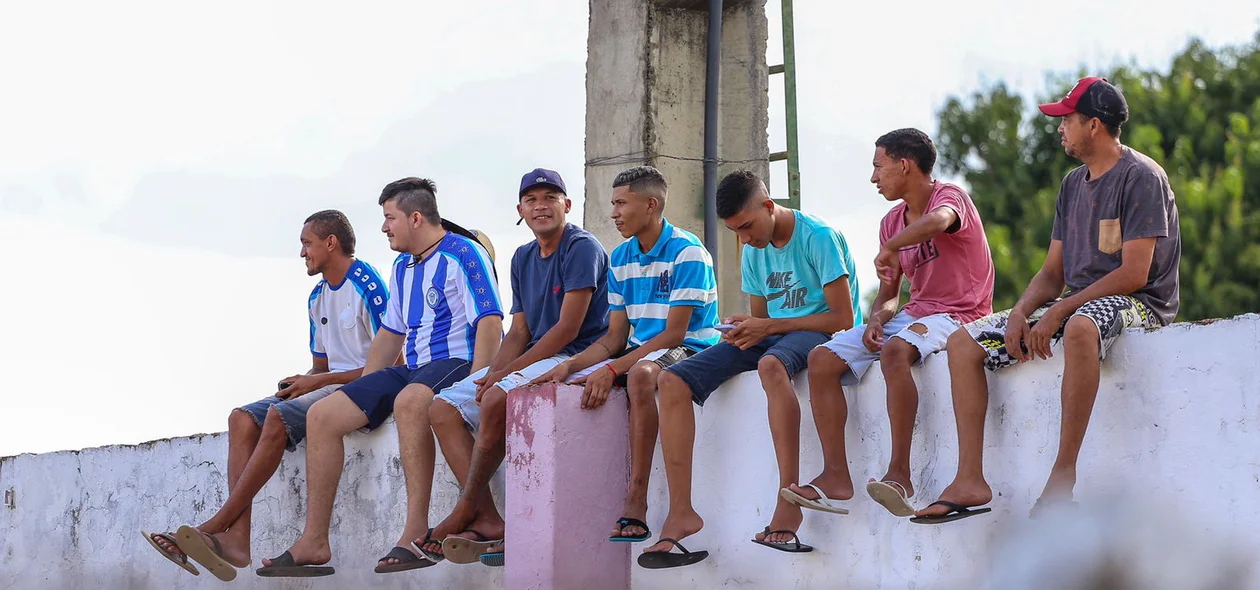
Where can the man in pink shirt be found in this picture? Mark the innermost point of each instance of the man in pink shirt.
(934, 238)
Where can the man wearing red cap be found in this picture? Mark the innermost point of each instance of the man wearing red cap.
(1115, 246)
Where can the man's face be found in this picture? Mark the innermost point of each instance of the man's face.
(398, 226)
(1075, 133)
(754, 224)
(543, 209)
(889, 175)
(631, 212)
(315, 252)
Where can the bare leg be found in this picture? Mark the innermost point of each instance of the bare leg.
(457, 448)
(1081, 372)
(678, 437)
(417, 452)
(903, 404)
(971, 401)
(831, 412)
(644, 423)
(475, 509)
(327, 424)
(784, 411)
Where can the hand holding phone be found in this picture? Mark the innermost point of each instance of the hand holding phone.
(724, 328)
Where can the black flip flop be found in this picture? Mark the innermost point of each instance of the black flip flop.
(285, 567)
(793, 546)
(428, 538)
(664, 559)
(626, 521)
(956, 512)
(406, 561)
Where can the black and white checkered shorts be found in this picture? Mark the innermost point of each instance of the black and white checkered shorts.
(1112, 314)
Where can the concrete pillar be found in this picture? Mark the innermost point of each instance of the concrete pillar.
(646, 63)
(566, 473)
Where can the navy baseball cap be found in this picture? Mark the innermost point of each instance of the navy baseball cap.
(1092, 97)
(541, 177)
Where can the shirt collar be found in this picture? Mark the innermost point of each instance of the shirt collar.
(658, 249)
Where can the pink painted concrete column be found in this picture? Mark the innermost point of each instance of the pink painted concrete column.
(566, 475)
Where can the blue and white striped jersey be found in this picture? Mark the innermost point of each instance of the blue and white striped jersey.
(345, 318)
(438, 301)
(677, 271)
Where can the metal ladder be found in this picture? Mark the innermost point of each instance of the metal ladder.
(788, 69)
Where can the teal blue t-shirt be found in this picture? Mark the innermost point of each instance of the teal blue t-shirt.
(791, 278)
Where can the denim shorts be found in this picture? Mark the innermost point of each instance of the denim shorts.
(375, 393)
(714, 365)
(935, 331)
(292, 412)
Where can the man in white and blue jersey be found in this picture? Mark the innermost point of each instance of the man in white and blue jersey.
(559, 307)
(446, 319)
(662, 299)
(345, 309)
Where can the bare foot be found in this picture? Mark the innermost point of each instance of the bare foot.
(306, 552)
(901, 479)
(836, 487)
(170, 547)
(677, 527)
(965, 493)
(1058, 491)
(787, 517)
(393, 560)
(459, 520)
(636, 511)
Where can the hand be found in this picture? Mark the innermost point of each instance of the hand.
(748, 331)
(597, 386)
(873, 337)
(1016, 335)
(557, 374)
(888, 265)
(489, 380)
(1039, 337)
(300, 385)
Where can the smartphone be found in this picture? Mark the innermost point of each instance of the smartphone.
(282, 385)
(724, 328)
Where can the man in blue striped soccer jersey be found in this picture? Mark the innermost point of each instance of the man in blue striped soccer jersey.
(345, 309)
(662, 299)
(446, 318)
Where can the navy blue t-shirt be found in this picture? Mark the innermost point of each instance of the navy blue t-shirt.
(539, 285)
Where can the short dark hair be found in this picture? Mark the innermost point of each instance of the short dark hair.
(734, 192)
(910, 144)
(414, 194)
(643, 180)
(331, 222)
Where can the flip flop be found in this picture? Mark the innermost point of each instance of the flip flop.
(406, 561)
(428, 538)
(493, 558)
(654, 560)
(793, 546)
(956, 512)
(180, 560)
(195, 547)
(823, 503)
(892, 498)
(464, 550)
(626, 521)
(285, 567)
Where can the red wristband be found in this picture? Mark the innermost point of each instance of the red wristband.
(614, 371)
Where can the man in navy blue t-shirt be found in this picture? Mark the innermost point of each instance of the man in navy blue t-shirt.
(559, 307)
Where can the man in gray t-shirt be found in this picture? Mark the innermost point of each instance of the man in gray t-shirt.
(1115, 247)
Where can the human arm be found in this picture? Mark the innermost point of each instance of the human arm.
(1044, 287)
(931, 224)
(749, 330)
(511, 348)
(609, 345)
(599, 383)
(316, 378)
(572, 312)
(887, 300)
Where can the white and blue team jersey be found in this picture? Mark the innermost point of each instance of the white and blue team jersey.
(439, 300)
(677, 271)
(345, 318)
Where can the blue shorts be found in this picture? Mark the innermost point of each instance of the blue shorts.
(714, 365)
(375, 393)
(292, 412)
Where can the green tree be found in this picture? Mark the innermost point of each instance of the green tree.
(1200, 120)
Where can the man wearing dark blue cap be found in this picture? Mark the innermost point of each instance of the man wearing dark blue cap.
(559, 308)
(1115, 246)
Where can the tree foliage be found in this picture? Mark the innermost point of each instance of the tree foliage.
(1200, 120)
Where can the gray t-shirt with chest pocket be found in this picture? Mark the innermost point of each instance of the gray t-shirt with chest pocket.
(1095, 216)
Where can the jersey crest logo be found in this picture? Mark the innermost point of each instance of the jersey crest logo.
(431, 297)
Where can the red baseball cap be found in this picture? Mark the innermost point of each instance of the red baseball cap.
(1092, 97)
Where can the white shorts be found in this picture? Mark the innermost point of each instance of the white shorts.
(463, 394)
(848, 344)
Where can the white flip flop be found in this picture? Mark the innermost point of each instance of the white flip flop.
(891, 498)
(180, 560)
(823, 503)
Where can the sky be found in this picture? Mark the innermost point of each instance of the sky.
(157, 160)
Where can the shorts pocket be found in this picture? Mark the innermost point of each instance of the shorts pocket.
(1109, 241)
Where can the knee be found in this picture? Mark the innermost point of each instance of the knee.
(1080, 335)
(242, 421)
(273, 426)
(770, 368)
(494, 404)
(413, 401)
(673, 388)
(442, 414)
(641, 381)
(897, 355)
(824, 363)
(320, 416)
(962, 347)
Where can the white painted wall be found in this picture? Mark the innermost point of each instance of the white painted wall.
(1176, 427)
